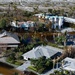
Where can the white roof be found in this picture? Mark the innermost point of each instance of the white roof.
(70, 64)
(39, 51)
(70, 20)
(68, 30)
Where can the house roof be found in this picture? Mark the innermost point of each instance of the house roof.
(8, 38)
(68, 30)
(23, 24)
(39, 51)
(69, 64)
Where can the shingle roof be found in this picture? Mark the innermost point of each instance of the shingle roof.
(8, 38)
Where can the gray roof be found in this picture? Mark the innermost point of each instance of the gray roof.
(39, 51)
(8, 38)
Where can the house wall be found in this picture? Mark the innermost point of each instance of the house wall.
(25, 58)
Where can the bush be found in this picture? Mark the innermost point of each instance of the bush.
(18, 63)
(2, 23)
(41, 70)
(66, 72)
(42, 64)
(56, 71)
(21, 57)
(51, 74)
(10, 61)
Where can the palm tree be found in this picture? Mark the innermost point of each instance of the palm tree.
(54, 61)
(35, 9)
(49, 26)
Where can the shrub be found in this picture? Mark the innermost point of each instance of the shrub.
(41, 70)
(18, 63)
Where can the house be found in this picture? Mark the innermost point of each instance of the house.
(70, 38)
(40, 51)
(68, 30)
(8, 40)
(57, 21)
(23, 25)
(69, 64)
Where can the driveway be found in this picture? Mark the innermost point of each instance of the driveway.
(24, 66)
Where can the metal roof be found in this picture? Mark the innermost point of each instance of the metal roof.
(39, 51)
(69, 64)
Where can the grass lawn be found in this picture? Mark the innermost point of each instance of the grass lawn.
(32, 68)
(18, 63)
(55, 45)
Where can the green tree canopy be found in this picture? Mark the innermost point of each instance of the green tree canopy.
(2, 23)
(41, 64)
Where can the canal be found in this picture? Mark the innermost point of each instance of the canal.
(8, 70)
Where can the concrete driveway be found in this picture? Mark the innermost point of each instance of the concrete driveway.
(24, 66)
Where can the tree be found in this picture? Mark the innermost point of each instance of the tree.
(49, 63)
(49, 26)
(27, 13)
(42, 64)
(12, 56)
(50, 10)
(35, 9)
(3, 23)
(61, 39)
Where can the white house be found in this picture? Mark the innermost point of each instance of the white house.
(24, 25)
(40, 51)
(57, 21)
(69, 29)
(69, 20)
(69, 64)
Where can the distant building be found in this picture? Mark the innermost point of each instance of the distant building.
(23, 25)
(8, 40)
(67, 30)
(57, 21)
(70, 39)
(40, 51)
(69, 20)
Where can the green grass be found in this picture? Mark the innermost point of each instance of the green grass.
(32, 68)
(54, 45)
(18, 63)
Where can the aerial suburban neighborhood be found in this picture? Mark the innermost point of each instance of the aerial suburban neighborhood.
(37, 37)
